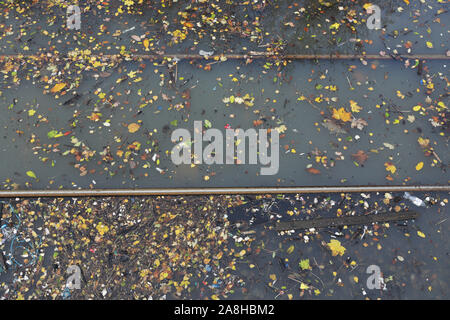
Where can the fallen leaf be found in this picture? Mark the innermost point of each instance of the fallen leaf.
(360, 157)
(419, 166)
(304, 264)
(133, 127)
(313, 170)
(390, 167)
(31, 174)
(354, 106)
(341, 114)
(336, 247)
(58, 87)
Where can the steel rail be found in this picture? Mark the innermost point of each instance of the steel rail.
(216, 191)
(250, 55)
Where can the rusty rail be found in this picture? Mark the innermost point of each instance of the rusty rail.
(250, 55)
(211, 191)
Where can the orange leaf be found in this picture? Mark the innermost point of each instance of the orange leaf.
(341, 114)
(146, 43)
(313, 171)
(58, 87)
(133, 127)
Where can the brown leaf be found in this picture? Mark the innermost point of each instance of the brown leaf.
(360, 157)
(359, 123)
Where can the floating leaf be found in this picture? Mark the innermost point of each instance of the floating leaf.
(133, 127)
(354, 106)
(313, 170)
(304, 264)
(341, 114)
(146, 43)
(58, 87)
(390, 167)
(31, 174)
(336, 247)
(424, 143)
(419, 166)
(360, 156)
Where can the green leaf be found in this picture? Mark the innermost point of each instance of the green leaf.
(54, 134)
(31, 174)
(304, 264)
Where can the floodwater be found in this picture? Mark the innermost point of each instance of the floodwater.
(93, 147)
(386, 96)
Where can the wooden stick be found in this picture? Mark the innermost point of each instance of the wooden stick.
(345, 221)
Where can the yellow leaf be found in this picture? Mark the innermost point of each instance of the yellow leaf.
(335, 26)
(421, 234)
(354, 106)
(423, 142)
(336, 247)
(31, 174)
(303, 286)
(58, 87)
(341, 114)
(417, 108)
(273, 277)
(390, 167)
(419, 166)
(133, 127)
(290, 249)
(146, 43)
(429, 44)
(102, 229)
